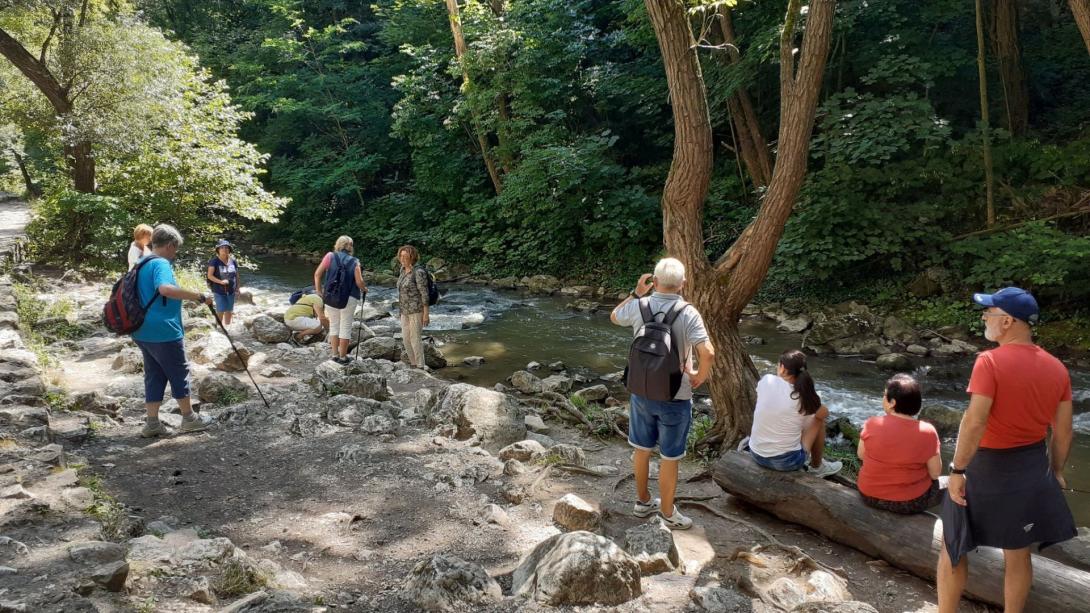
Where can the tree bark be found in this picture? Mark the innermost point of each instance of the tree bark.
(503, 104)
(460, 52)
(909, 542)
(985, 129)
(752, 146)
(1081, 10)
(81, 163)
(1011, 70)
(32, 188)
(722, 290)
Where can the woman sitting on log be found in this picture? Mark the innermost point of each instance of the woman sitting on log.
(789, 421)
(901, 455)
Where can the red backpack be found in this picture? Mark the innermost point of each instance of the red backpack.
(124, 313)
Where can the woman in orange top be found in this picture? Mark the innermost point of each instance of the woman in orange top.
(901, 455)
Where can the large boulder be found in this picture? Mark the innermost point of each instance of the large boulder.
(268, 330)
(897, 362)
(543, 284)
(594, 393)
(336, 379)
(577, 568)
(352, 412)
(946, 420)
(795, 325)
(129, 360)
(557, 383)
(445, 583)
(477, 412)
(652, 546)
(221, 388)
(526, 382)
(433, 357)
(215, 350)
(895, 329)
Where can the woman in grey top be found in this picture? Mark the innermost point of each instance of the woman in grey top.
(412, 296)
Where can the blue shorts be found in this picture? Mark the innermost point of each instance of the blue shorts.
(163, 363)
(785, 462)
(666, 424)
(225, 303)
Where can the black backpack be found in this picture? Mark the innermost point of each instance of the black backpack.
(654, 360)
(433, 288)
(339, 280)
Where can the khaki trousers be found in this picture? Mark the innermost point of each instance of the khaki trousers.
(411, 326)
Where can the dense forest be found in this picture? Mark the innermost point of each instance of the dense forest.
(535, 136)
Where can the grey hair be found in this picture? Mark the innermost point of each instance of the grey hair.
(670, 273)
(165, 235)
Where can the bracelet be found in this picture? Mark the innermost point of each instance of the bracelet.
(954, 470)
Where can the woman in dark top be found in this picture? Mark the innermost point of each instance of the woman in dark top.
(223, 279)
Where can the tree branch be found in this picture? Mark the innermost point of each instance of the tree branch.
(35, 71)
(49, 37)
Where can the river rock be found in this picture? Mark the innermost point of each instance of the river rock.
(918, 350)
(577, 290)
(583, 305)
(557, 383)
(129, 360)
(795, 325)
(268, 330)
(506, 282)
(381, 348)
(526, 382)
(573, 513)
(433, 357)
(953, 348)
(216, 351)
(96, 402)
(715, 599)
(894, 362)
(473, 360)
(895, 329)
(523, 451)
(577, 568)
(595, 393)
(489, 415)
(221, 388)
(445, 583)
(946, 420)
(652, 546)
(543, 284)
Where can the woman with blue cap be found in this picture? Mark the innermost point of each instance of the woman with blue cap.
(223, 279)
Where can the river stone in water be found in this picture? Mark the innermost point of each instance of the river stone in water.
(475, 411)
(577, 568)
(526, 382)
(221, 388)
(268, 330)
(894, 362)
(795, 325)
(947, 421)
(652, 546)
(445, 582)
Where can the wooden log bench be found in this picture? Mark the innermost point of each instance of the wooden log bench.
(909, 542)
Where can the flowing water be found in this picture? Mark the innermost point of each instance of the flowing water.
(510, 330)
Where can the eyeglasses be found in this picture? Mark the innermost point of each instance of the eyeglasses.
(994, 315)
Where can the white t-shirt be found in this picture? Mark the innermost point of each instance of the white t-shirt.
(688, 328)
(135, 253)
(777, 423)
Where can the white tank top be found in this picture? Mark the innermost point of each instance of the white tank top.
(777, 423)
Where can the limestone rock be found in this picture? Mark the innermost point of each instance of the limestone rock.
(513, 493)
(78, 497)
(111, 575)
(96, 402)
(526, 382)
(129, 360)
(652, 546)
(534, 423)
(557, 383)
(897, 330)
(473, 360)
(523, 451)
(215, 350)
(795, 325)
(96, 552)
(543, 284)
(897, 362)
(490, 416)
(445, 582)
(714, 599)
(573, 513)
(569, 454)
(918, 350)
(381, 347)
(514, 468)
(268, 330)
(595, 393)
(433, 356)
(946, 420)
(577, 568)
(221, 388)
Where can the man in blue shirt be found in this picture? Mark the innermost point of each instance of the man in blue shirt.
(160, 337)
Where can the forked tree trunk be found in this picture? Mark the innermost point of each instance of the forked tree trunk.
(32, 188)
(1011, 70)
(752, 146)
(460, 52)
(985, 129)
(721, 290)
(1081, 10)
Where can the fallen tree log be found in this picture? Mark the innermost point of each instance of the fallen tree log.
(909, 542)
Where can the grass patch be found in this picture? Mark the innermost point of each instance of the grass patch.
(845, 454)
(106, 509)
(549, 460)
(57, 401)
(579, 402)
(230, 397)
(702, 424)
(237, 578)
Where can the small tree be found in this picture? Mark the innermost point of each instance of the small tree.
(721, 289)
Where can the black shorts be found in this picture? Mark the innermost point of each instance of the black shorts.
(1013, 501)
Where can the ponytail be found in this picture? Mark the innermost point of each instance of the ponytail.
(794, 362)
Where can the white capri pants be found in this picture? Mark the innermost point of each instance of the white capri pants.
(340, 320)
(302, 323)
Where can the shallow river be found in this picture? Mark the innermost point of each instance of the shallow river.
(510, 330)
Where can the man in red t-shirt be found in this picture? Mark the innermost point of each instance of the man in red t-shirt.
(1005, 483)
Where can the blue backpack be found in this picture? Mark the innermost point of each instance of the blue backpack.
(339, 280)
(299, 293)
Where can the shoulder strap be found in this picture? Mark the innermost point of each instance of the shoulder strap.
(136, 281)
(645, 310)
(675, 312)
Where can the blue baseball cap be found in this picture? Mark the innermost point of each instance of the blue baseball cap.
(1015, 301)
(223, 242)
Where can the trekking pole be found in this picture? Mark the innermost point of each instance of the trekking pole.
(240, 358)
(363, 296)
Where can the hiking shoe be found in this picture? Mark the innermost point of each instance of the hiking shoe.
(677, 521)
(198, 423)
(827, 469)
(743, 444)
(152, 430)
(345, 361)
(643, 509)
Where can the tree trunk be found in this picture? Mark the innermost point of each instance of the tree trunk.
(752, 146)
(81, 164)
(32, 188)
(1011, 71)
(503, 104)
(721, 291)
(984, 124)
(459, 52)
(1081, 10)
(910, 542)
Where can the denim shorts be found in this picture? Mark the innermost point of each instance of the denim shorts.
(666, 424)
(225, 303)
(785, 462)
(164, 363)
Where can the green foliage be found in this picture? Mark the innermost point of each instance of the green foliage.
(701, 426)
(1035, 256)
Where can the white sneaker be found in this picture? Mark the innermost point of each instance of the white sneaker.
(827, 469)
(743, 444)
(198, 423)
(677, 521)
(643, 509)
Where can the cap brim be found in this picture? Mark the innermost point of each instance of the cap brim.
(984, 300)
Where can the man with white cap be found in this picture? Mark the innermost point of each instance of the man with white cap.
(1007, 474)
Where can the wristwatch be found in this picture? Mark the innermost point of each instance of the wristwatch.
(633, 294)
(954, 470)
